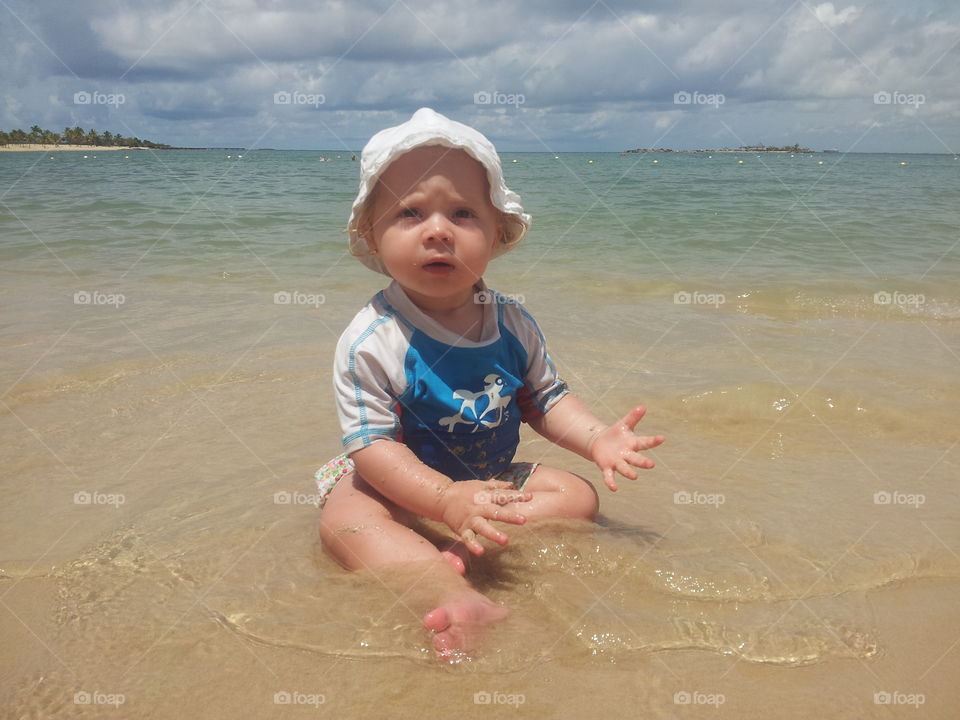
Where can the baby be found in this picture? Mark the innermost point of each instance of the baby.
(434, 376)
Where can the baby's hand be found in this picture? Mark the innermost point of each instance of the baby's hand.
(470, 505)
(616, 448)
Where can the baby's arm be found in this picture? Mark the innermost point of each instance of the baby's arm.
(466, 507)
(572, 426)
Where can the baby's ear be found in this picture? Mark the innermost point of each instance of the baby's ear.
(365, 227)
(365, 230)
(365, 219)
(502, 224)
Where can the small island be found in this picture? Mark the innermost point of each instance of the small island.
(75, 138)
(796, 149)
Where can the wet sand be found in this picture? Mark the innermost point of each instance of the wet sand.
(160, 546)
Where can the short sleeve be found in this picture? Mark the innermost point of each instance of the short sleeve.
(543, 387)
(367, 379)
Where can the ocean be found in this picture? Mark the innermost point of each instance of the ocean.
(791, 322)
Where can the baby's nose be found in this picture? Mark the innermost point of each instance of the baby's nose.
(439, 227)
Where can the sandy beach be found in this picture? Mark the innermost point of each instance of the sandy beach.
(39, 147)
(168, 326)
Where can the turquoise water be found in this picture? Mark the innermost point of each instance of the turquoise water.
(775, 218)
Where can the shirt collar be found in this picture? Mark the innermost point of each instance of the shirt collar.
(398, 299)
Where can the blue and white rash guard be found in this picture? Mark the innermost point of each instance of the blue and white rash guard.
(457, 404)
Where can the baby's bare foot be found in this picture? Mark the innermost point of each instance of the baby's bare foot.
(458, 556)
(458, 625)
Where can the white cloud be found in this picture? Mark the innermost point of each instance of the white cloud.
(829, 17)
(601, 75)
(663, 120)
(719, 48)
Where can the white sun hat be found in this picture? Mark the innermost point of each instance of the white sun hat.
(428, 127)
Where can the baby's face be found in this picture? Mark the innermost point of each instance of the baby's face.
(433, 224)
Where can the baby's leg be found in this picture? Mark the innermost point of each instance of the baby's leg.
(361, 529)
(559, 494)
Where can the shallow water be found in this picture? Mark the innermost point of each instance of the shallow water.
(794, 553)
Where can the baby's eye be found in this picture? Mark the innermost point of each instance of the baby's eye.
(409, 212)
(463, 213)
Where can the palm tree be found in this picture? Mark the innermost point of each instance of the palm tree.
(74, 135)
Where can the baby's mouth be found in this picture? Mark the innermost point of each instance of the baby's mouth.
(438, 266)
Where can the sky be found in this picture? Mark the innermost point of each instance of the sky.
(537, 75)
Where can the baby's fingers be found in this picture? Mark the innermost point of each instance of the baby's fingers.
(645, 442)
(502, 514)
(638, 460)
(625, 468)
(484, 528)
(609, 480)
(633, 417)
(469, 538)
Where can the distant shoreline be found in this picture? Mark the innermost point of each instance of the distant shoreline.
(802, 151)
(39, 147)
